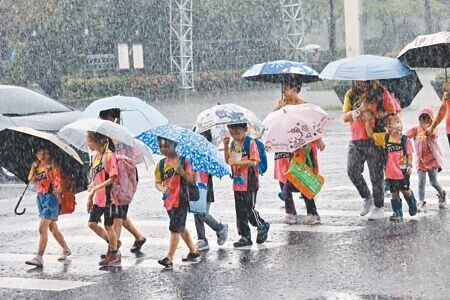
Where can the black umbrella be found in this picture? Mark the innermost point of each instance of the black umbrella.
(18, 146)
(428, 51)
(404, 89)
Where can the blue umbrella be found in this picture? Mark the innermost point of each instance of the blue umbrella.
(365, 67)
(202, 154)
(280, 71)
(136, 115)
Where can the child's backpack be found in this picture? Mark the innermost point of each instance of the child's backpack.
(66, 198)
(123, 191)
(262, 165)
(402, 143)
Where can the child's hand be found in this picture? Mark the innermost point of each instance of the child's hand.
(226, 141)
(90, 203)
(179, 169)
(320, 145)
(91, 187)
(408, 170)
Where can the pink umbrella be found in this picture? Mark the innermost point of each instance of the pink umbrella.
(294, 126)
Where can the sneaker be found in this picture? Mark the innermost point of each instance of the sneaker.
(243, 241)
(367, 205)
(442, 201)
(137, 245)
(311, 220)
(191, 256)
(396, 217)
(422, 207)
(377, 213)
(111, 260)
(290, 219)
(103, 256)
(262, 233)
(222, 235)
(36, 261)
(64, 253)
(165, 262)
(202, 245)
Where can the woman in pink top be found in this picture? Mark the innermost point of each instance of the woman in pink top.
(367, 101)
(429, 156)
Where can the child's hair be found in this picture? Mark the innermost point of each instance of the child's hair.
(240, 126)
(102, 140)
(171, 144)
(425, 118)
(110, 114)
(208, 135)
(389, 117)
(293, 84)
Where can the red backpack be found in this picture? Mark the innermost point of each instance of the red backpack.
(122, 192)
(66, 198)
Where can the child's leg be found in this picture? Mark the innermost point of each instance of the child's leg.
(94, 218)
(200, 225)
(43, 235)
(241, 214)
(311, 208)
(112, 237)
(432, 175)
(252, 214)
(411, 200)
(422, 181)
(173, 244)
(57, 235)
(289, 204)
(186, 236)
(118, 223)
(98, 230)
(132, 229)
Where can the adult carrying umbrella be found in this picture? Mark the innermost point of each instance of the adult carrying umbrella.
(75, 134)
(280, 71)
(293, 126)
(219, 116)
(201, 153)
(135, 114)
(428, 51)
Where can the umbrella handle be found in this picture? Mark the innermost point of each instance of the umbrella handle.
(18, 202)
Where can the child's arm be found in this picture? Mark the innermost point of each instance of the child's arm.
(108, 182)
(32, 173)
(226, 149)
(408, 164)
(369, 129)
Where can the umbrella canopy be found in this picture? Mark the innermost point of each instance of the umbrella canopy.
(294, 126)
(280, 71)
(201, 153)
(135, 114)
(75, 134)
(428, 51)
(404, 89)
(218, 116)
(18, 152)
(365, 67)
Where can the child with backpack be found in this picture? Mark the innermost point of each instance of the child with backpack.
(200, 219)
(172, 174)
(398, 148)
(124, 220)
(46, 177)
(244, 157)
(428, 157)
(104, 173)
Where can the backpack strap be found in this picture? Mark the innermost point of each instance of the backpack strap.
(246, 144)
(161, 168)
(403, 142)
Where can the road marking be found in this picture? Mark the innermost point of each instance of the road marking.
(315, 228)
(40, 284)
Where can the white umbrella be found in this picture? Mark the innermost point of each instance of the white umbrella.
(75, 134)
(135, 114)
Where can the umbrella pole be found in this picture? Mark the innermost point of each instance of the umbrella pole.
(445, 71)
(18, 202)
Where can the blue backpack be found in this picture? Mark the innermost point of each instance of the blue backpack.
(262, 165)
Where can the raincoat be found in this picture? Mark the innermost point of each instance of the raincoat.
(428, 151)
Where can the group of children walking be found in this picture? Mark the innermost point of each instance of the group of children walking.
(174, 172)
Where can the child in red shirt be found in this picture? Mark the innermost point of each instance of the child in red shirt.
(47, 179)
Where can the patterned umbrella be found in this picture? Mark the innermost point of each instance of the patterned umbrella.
(201, 153)
(218, 116)
(280, 71)
(428, 51)
(294, 126)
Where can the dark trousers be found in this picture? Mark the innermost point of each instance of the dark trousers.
(288, 188)
(244, 203)
(360, 152)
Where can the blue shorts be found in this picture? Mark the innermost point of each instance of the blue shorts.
(48, 206)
